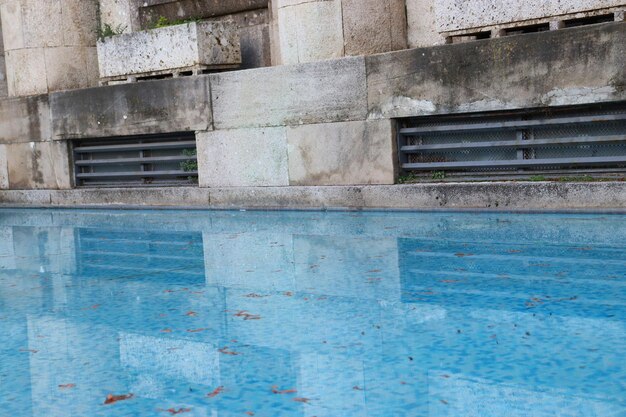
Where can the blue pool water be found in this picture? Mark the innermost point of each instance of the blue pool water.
(220, 314)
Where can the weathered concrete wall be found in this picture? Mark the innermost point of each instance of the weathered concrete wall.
(573, 66)
(324, 123)
(120, 14)
(490, 195)
(453, 15)
(49, 45)
(329, 91)
(307, 31)
(175, 105)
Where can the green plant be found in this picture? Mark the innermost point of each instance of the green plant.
(106, 31)
(584, 178)
(163, 22)
(189, 165)
(408, 178)
(537, 178)
(439, 175)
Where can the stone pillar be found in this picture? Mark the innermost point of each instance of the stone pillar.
(421, 24)
(49, 45)
(315, 30)
(3, 72)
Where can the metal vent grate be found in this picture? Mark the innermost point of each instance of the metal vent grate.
(569, 139)
(136, 161)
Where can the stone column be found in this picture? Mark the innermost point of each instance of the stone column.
(49, 45)
(3, 72)
(315, 30)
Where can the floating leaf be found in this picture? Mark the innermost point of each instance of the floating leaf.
(191, 314)
(173, 411)
(111, 399)
(217, 391)
(225, 351)
(302, 400)
(275, 390)
(67, 386)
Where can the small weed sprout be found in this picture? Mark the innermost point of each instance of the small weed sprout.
(439, 175)
(190, 165)
(163, 22)
(106, 31)
(408, 178)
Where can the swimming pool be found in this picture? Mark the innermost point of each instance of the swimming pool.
(327, 314)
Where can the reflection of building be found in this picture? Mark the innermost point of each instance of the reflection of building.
(401, 306)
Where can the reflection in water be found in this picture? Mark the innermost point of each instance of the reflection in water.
(311, 314)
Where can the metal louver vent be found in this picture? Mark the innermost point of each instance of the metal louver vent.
(136, 161)
(573, 139)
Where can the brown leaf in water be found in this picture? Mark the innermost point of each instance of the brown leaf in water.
(246, 315)
(254, 295)
(275, 390)
(166, 331)
(29, 350)
(191, 314)
(93, 307)
(357, 388)
(67, 386)
(374, 271)
(462, 255)
(225, 351)
(449, 281)
(250, 413)
(288, 293)
(302, 400)
(111, 399)
(173, 411)
(217, 391)
(444, 402)
(202, 329)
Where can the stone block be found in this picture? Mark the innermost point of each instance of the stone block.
(374, 26)
(42, 23)
(80, 19)
(308, 31)
(162, 106)
(26, 72)
(421, 26)
(204, 44)
(243, 158)
(255, 46)
(12, 22)
(71, 67)
(455, 15)
(118, 14)
(25, 119)
(347, 153)
(4, 168)
(38, 165)
(534, 70)
(290, 95)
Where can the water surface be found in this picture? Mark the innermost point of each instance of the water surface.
(308, 314)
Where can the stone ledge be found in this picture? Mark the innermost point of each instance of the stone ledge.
(505, 196)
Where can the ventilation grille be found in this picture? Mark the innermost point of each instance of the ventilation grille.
(136, 161)
(574, 139)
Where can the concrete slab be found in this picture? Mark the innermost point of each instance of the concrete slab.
(25, 119)
(38, 165)
(534, 70)
(347, 153)
(70, 67)
(493, 196)
(466, 14)
(210, 44)
(163, 106)
(290, 95)
(243, 157)
(421, 25)
(12, 25)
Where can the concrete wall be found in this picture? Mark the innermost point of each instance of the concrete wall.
(421, 24)
(307, 31)
(323, 123)
(49, 45)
